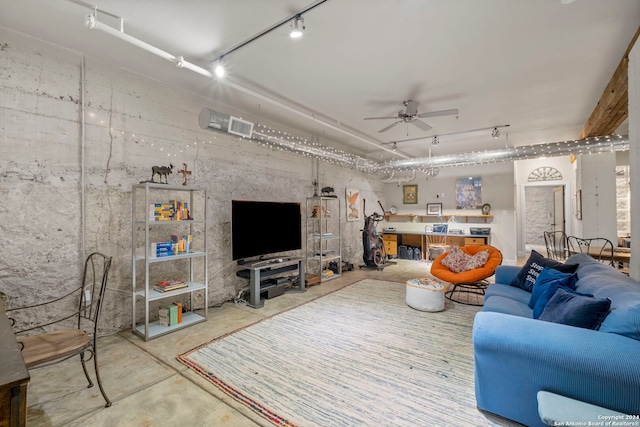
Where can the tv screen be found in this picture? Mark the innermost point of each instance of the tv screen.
(263, 228)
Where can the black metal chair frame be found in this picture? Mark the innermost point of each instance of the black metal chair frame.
(597, 247)
(557, 245)
(94, 283)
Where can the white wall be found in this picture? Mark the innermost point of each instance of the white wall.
(497, 190)
(132, 124)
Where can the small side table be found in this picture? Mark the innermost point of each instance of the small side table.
(425, 294)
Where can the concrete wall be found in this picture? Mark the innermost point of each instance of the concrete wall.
(66, 187)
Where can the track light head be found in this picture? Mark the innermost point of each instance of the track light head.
(435, 140)
(219, 68)
(297, 27)
(90, 21)
(394, 147)
(495, 133)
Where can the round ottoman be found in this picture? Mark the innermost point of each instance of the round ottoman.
(425, 294)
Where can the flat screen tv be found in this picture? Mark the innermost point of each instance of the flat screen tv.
(259, 229)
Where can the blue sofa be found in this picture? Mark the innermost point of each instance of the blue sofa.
(516, 356)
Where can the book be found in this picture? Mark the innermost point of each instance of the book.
(163, 317)
(170, 285)
(179, 305)
(173, 314)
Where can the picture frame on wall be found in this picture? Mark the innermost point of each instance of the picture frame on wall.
(434, 209)
(410, 194)
(352, 204)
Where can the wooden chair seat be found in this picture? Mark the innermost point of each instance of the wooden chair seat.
(51, 346)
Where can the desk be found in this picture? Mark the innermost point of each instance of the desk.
(13, 376)
(422, 240)
(621, 256)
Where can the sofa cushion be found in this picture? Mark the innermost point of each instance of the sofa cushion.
(548, 281)
(511, 292)
(573, 309)
(534, 265)
(604, 281)
(506, 305)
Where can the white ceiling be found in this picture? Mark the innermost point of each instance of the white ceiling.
(538, 65)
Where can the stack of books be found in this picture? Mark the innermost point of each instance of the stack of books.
(170, 285)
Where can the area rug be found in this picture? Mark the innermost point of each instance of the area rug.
(356, 357)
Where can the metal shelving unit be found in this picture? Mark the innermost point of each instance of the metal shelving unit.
(324, 239)
(141, 230)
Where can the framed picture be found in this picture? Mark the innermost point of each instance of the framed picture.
(352, 204)
(410, 194)
(469, 193)
(434, 208)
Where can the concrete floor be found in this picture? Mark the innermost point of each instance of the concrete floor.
(147, 384)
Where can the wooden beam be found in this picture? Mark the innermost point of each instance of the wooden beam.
(612, 108)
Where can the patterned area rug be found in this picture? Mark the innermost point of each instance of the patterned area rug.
(356, 357)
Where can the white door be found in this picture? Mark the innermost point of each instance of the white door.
(558, 209)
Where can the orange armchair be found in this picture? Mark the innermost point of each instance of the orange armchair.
(471, 282)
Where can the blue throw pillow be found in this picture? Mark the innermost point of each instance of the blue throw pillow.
(548, 281)
(528, 274)
(571, 309)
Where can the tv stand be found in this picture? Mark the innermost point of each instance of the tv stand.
(262, 269)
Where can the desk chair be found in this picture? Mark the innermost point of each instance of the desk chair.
(73, 333)
(436, 242)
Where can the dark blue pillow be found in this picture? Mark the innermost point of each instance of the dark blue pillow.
(569, 308)
(548, 281)
(528, 274)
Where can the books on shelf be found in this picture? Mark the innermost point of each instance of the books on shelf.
(170, 285)
(178, 245)
(170, 315)
(173, 210)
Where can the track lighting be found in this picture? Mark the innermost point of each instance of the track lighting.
(495, 133)
(394, 147)
(297, 27)
(435, 141)
(219, 69)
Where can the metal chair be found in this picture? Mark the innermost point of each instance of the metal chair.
(70, 334)
(556, 242)
(599, 248)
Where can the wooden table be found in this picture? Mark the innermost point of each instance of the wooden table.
(13, 377)
(621, 256)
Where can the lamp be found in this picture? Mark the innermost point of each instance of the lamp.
(297, 27)
(495, 133)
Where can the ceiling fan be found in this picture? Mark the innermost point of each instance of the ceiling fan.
(410, 115)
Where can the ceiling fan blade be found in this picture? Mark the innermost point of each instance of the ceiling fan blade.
(411, 107)
(377, 118)
(422, 125)
(390, 126)
(453, 112)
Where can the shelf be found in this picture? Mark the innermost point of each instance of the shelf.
(325, 257)
(172, 257)
(158, 186)
(155, 295)
(333, 276)
(155, 329)
(324, 242)
(434, 218)
(184, 221)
